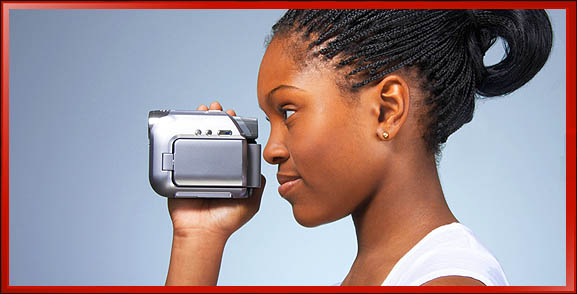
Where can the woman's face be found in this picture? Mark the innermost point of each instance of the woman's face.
(316, 135)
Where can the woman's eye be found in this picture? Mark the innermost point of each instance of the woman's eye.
(287, 113)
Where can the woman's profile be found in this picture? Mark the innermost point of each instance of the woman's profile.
(360, 103)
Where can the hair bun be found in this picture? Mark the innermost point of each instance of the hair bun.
(528, 39)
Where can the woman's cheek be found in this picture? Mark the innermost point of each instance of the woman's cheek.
(318, 158)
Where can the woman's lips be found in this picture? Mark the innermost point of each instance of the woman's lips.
(286, 187)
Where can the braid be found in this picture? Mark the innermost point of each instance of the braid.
(446, 46)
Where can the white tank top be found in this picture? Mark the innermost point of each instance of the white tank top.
(449, 250)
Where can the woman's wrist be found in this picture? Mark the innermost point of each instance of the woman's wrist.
(196, 257)
(204, 234)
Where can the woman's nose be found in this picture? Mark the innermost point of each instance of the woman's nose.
(275, 152)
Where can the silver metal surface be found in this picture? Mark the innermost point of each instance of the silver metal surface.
(187, 163)
(209, 162)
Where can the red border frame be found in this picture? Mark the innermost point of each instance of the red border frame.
(569, 6)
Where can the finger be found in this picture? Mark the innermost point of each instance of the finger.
(231, 112)
(256, 194)
(202, 107)
(215, 106)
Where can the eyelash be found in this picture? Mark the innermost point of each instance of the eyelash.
(284, 112)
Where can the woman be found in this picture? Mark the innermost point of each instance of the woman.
(360, 103)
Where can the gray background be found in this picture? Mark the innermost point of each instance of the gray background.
(82, 211)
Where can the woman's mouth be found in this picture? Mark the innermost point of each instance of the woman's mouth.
(286, 187)
(287, 183)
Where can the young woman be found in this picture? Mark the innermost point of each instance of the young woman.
(359, 103)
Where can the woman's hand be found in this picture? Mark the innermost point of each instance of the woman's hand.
(216, 217)
(201, 229)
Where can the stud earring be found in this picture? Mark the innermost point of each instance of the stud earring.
(385, 135)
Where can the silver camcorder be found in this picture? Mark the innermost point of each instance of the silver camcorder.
(203, 154)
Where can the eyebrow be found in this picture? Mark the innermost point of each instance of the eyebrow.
(268, 96)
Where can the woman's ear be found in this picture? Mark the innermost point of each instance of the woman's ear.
(391, 105)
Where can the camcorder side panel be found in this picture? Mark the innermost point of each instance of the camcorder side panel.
(203, 154)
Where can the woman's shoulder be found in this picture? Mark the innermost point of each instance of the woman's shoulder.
(449, 250)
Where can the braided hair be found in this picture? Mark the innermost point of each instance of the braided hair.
(446, 46)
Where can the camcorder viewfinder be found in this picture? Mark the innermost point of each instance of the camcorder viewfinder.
(203, 154)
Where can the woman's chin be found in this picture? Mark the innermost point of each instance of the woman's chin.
(307, 222)
(309, 218)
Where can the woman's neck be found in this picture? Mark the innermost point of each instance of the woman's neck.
(407, 206)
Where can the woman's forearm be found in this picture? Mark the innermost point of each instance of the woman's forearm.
(195, 259)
